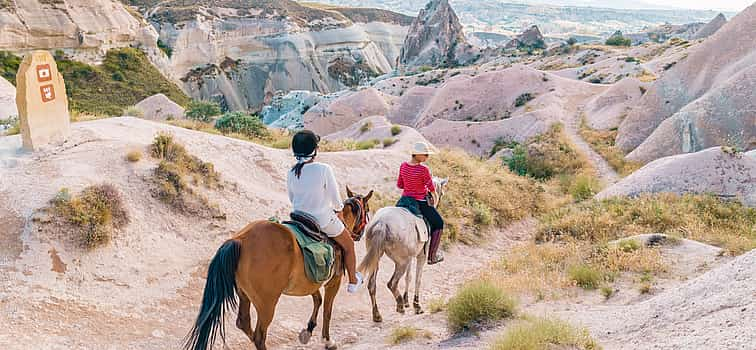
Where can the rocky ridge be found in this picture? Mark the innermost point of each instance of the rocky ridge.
(435, 38)
(701, 101)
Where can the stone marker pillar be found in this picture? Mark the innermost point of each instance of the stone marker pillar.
(42, 101)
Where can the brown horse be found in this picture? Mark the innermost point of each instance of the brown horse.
(259, 264)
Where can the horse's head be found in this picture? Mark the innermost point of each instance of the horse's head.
(356, 213)
(440, 185)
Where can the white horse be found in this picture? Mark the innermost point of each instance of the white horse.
(402, 236)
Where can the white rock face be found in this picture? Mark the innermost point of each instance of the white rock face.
(708, 171)
(85, 25)
(242, 61)
(7, 100)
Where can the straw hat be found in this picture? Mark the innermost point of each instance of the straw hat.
(421, 148)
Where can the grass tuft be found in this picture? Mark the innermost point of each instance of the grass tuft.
(396, 130)
(704, 218)
(585, 276)
(603, 143)
(134, 156)
(477, 303)
(541, 333)
(436, 305)
(607, 291)
(481, 195)
(403, 334)
(94, 214)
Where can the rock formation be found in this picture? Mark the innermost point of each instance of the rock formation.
(435, 38)
(159, 107)
(84, 28)
(714, 170)
(707, 95)
(241, 53)
(7, 100)
(531, 38)
(711, 27)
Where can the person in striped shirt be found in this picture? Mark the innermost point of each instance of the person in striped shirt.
(416, 182)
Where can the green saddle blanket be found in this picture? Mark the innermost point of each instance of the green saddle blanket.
(318, 256)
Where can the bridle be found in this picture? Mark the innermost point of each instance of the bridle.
(363, 217)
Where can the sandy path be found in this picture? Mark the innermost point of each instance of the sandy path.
(605, 172)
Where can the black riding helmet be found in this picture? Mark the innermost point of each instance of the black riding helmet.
(304, 143)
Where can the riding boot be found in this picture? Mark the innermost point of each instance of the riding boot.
(434, 255)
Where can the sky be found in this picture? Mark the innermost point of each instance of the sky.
(734, 5)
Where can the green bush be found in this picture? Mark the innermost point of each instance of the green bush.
(165, 48)
(617, 40)
(396, 130)
(518, 163)
(583, 187)
(366, 127)
(9, 66)
(125, 77)
(585, 276)
(523, 99)
(541, 333)
(203, 111)
(477, 303)
(245, 124)
(367, 144)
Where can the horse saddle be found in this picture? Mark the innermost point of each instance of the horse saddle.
(422, 228)
(306, 224)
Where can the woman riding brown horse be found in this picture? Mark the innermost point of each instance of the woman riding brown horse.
(260, 263)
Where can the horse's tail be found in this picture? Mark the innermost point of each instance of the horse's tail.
(376, 236)
(219, 297)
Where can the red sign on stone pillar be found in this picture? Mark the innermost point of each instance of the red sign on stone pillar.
(47, 92)
(44, 73)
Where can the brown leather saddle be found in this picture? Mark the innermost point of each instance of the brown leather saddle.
(308, 225)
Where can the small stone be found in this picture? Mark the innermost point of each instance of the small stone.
(158, 333)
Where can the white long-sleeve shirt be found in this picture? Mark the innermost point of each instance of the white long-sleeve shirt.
(315, 192)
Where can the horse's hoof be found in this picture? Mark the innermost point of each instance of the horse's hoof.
(377, 318)
(331, 345)
(419, 311)
(304, 336)
(406, 304)
(400, 309)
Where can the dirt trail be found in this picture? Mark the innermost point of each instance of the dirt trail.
(353, 327)
(605, 172)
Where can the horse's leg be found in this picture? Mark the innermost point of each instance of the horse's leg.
(407, 281)
(243, 321)
(331, 289)
(421, 259)
(266, 308)
(399, 270)
(371, 288)
(305, 334)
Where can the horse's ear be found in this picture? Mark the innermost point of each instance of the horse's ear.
(444, 181)
(349, 192)
(370, 194)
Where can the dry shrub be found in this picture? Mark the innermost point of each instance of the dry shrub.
(480, 195)
(436, 305)
(94, 214)
(134, 156)
(550, 268)
(542, 333)
(603, 143)
(404, 334)
(705, 218)
(477, 304)
(177, 173)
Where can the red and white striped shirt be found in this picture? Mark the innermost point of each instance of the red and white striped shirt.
(415, 180)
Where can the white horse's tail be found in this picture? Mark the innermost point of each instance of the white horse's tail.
(376, 236)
